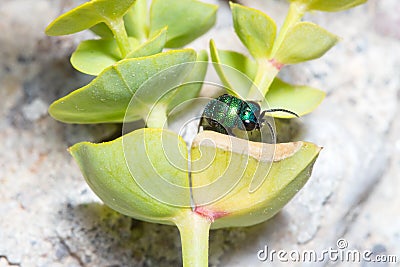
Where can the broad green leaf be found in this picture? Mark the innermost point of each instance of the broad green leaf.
(255, 29)
(136, 20)
(93, 56)
(117, 172)
(299, 99)
(87, 15)
(226, 157)
(152, 99)
(192, 83)
(235, 70)
(102, 30)
(117, 181)
(152, 46)
(334, 6)
(304, 41)
(186, 19)
(329, 5)
(107, 97)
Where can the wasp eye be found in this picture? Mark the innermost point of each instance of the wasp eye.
(249, 125)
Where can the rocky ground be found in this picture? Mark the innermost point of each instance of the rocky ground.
(49, 216)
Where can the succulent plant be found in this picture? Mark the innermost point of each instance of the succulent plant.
(150, 174)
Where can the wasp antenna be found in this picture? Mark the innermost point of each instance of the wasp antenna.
(282, 110)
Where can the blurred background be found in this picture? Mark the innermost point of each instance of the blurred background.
(50, 217)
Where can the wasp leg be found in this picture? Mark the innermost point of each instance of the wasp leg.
(200, 124)
(212, 125)
(229, 132)
(263, 121)
(221, 129)
(272, 132)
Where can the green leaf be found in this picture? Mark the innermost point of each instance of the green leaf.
(87, 15)
(152, 46)
(255, 29)
(334, 6)
(299, 99)
(144, 175)
(115, 172)
(107, 97)
(304, 41)
(235, 70)
(329, 5)
(279, 171)
(136, 20)
(102, 30)
(192, 83)
(186, 19)
(93, 56)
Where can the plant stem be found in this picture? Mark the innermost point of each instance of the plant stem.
(194, 230)
(118, 29)
(266, 73)
(136, 21)
(268, 68)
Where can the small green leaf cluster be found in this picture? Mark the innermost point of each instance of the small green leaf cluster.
(129, 51)
(297, 41)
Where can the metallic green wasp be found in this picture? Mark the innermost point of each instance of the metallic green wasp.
(229, 115)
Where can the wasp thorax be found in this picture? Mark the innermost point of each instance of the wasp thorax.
(229, 115)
